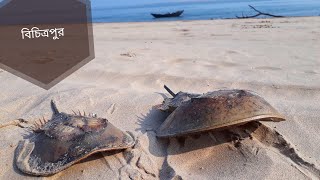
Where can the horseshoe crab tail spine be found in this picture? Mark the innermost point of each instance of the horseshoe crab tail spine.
(169, 91)
(54, 108)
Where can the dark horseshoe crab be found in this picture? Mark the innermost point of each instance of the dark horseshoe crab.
(66, 139)
(217, 110)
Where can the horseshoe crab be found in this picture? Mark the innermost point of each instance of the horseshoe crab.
(193, 113)
(66, 139)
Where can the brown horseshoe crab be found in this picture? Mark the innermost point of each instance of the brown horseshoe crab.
(193, 113)
(64, 140)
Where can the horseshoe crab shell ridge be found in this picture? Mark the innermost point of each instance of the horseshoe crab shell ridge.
(66, 139)
(193, 113)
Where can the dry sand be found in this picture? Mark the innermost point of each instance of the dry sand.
(277, 58)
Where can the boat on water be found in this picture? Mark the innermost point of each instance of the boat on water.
(167, 15)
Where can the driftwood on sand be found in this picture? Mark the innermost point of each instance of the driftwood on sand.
(259, 13)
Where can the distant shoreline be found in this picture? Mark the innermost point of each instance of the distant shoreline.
(187, 20)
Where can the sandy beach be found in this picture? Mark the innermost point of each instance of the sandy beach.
(277, 58)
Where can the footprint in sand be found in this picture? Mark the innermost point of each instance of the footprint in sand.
(111, 109)
(135, 164)
(310, 72)
(221, 34)
(268, 68)
(233, 53)
(229, 64)
(181, 60)
(187, 35)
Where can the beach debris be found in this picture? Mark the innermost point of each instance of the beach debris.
(65, 139)
(128, 54)
(17, 122)
(217, 110)
(259, 13)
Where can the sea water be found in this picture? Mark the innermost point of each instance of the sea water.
(139, 10)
